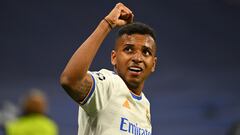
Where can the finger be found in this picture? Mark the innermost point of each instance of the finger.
(126, 9)
(114, 15)
(130, 19)
(122, 7)
(121, 22)
(124, 16)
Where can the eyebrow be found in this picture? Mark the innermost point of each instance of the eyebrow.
(127, 45)
(143, 47)
(146, 47)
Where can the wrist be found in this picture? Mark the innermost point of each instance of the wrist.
(110, 24)
(104, 26)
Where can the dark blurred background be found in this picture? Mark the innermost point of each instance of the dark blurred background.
(195, 90)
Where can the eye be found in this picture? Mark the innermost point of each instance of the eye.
(128, 49)
(146, 52)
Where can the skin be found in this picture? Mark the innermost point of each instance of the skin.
(137, 51)
(35, 104)
(74, 78)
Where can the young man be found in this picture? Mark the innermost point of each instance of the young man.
(112, 103)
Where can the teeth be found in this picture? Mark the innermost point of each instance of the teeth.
(135, 69)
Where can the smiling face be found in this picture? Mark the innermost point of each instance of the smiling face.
(134, 58)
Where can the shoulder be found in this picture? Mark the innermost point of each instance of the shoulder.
(48, 122)
(104, 74)
(38, 118)
(145, 99)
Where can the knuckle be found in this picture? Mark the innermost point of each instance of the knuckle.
(119, 4)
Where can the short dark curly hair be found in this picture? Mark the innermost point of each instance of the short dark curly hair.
(136, 28)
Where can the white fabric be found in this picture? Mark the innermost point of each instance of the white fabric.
(111, 109)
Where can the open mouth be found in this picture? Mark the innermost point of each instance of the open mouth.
(135, 69)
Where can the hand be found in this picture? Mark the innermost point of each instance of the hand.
(120, 15)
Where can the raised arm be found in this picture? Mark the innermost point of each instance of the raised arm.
(74, 79)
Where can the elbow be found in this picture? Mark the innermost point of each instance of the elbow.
(66, 81)
(69, 81)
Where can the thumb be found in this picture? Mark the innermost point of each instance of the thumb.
(121, 22)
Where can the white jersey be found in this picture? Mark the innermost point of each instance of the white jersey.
(112, 109)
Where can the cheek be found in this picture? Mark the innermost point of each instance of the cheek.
(122, 63)
(150, 63)
(118, 61)
(121, 58)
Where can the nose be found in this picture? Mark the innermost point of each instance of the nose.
(137, 57)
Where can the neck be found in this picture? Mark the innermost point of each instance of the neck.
(136, 89)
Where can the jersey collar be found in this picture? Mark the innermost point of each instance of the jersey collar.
(136, 96)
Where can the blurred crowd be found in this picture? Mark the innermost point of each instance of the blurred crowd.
(30, 117)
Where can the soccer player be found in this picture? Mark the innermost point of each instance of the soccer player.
(112, 102)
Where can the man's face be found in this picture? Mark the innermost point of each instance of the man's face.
(134, 58)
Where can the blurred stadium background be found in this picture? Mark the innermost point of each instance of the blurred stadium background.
(195, 90)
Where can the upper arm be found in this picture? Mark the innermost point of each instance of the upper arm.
(78, 90)
(93, 92)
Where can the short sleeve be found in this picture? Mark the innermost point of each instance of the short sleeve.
(100, 93)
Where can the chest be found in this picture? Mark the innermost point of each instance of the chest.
(123, 110)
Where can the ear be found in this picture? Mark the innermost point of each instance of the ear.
(154, 64)
(113, 58)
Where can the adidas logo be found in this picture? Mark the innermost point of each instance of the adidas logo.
(126, 104)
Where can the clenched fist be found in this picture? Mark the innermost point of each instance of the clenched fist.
(120, 15)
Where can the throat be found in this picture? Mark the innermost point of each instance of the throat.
(134, 88)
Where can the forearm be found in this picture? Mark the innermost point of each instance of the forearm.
(74, 79)
(81, 60)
